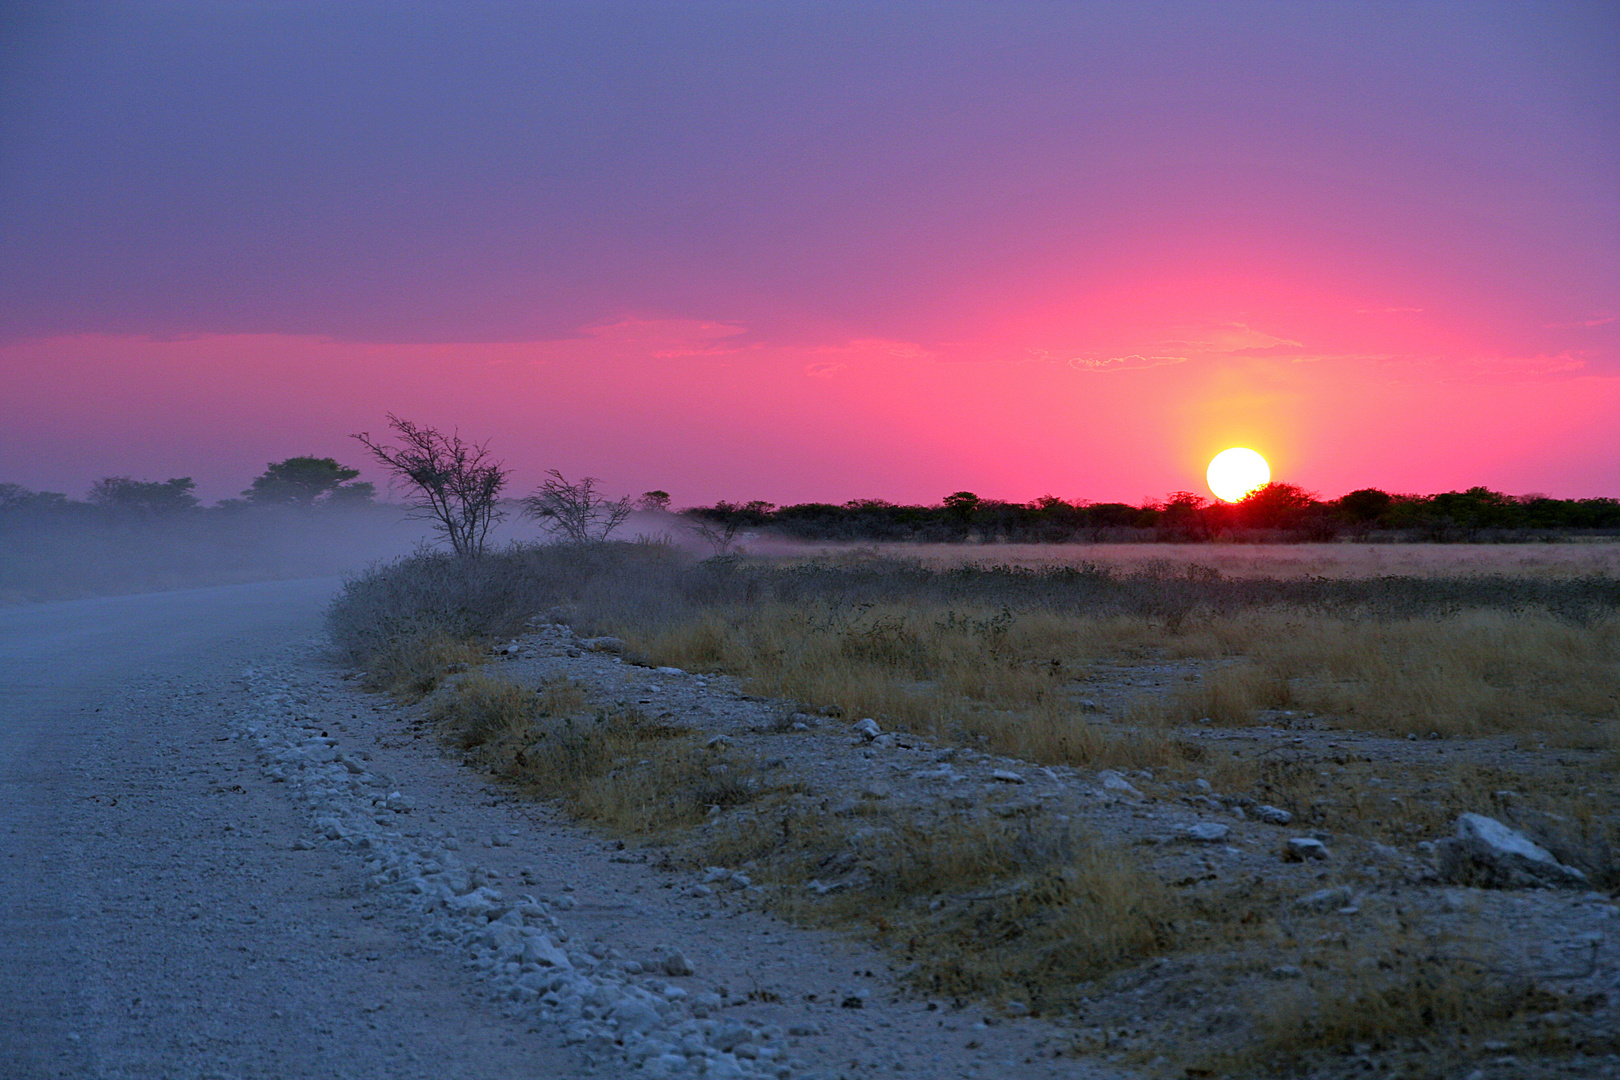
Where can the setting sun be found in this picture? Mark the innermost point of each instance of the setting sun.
(1235, 472)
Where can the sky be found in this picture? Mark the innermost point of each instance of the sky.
(817, 251)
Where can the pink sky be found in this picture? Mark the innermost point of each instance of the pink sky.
(761, 252)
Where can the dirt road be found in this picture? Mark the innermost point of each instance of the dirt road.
(153, 919)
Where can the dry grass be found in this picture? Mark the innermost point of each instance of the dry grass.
(966, 674)
(1423, 1001)
(619, 769)
(1463, 675)
(412, 666)
(1343, 560)
(1005, 909)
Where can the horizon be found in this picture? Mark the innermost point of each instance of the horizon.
(811, 253)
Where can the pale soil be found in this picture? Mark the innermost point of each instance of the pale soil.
(1167, 1011)
(605, 893)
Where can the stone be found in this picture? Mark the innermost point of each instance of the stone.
(669, 671)
(1006, 776)
(1488, 854)
(604, 644)
(676, 965)
(1325, 900)
(1272, 815)
(1208, 832)
(1116, 783)
(867, 729)
(540, 949)
(1302, 848)
(633, 1015)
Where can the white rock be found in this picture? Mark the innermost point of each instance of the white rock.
(1209, 831)
(1116, 783)
(1006, 776)
(1306, 847)
(1324, 900)
(1487, 853)
(669, 671)
(867, 728)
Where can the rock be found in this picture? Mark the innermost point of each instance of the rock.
(1325, 900)
(669, 671)
(1301, 848)
(677, 965)
(539, 949)
(635, 1015)
(1088, 705)
(1208, 832)
(867, 729)
(1115, 782)
(1204, 786)
(1006, 776)
(604, 644)
(1272, 815)
(1488, 854)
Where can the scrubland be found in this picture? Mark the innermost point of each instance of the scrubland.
(1372, 707)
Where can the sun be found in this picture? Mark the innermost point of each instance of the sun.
(1236, 472)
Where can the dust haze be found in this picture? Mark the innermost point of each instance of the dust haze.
(63, 554)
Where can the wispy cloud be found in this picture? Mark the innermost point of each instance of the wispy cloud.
(1134, 362)
(823, 371)
(1559, 364)
(1600, 319)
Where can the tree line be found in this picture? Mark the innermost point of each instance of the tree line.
(457, 487)
(1278, 511)
(308, 482)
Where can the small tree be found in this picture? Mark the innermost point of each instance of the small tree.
(578, 512)
(456, 486)
(304, 481)
(654, 501)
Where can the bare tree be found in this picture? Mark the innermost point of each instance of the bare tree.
(719, 534)
(456, 486)
(578, 512)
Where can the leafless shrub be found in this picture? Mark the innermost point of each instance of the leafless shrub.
(577, 512)
(456, 487)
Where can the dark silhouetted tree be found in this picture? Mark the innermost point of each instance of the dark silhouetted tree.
(454, 484)
(654, 501)
(1276, 506)
(148, 497)
(304, 481)
(1365, 506)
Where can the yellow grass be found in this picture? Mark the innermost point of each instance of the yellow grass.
(1344, 560)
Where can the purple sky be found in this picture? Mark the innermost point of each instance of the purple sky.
(1063, 247)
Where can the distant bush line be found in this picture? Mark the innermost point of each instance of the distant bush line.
(1278, 513)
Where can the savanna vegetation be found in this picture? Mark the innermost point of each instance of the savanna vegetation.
(1376, 708)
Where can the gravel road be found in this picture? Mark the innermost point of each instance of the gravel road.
(154, 921)
(204, 876)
